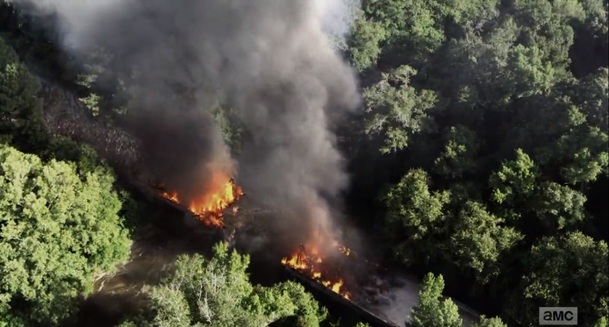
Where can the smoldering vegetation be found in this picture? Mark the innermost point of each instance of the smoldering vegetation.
(272, 60)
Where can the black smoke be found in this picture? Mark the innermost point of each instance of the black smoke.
(271, 60)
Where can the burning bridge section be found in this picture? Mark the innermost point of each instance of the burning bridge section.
(209, 207)
(223, 193)
(334, 269)
(309, 261)
(322, 263)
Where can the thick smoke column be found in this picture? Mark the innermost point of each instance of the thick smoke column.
(270, 59)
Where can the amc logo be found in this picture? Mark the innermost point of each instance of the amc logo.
(558, 316)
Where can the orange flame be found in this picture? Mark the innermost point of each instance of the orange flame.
(209, 206)
(309, 262)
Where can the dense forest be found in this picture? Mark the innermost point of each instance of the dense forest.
(478, 161)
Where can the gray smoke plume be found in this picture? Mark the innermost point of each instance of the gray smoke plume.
(272, 60)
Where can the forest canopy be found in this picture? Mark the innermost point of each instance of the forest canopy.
(489, 120)
(59, 229)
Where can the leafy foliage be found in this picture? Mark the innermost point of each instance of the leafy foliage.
(232, 131)
(490, 322)
(57, 229)
(432, 311)
(516, 179)
(365, 47)
(570, 271)
(415, 211)
(217, 292)
(459, 155)
(20, 108)
(396, 109)
(480, 239)
(501, 106)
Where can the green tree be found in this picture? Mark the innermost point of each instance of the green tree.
(515, 180)
(232, 131)
(460, 152)
(397, 110)
(596, 16)
(171, 306)
(432, 310)
(490, 322)
(591, 94)
(585, 155)
(591, 47)
(413, 214)
(65, 149)
(560, 136)
(365, 44)
(472, 69)
(545, 24)
(479, 241)
(57, 230)
(569, 270)
(416, 29)
(559, 206)
(602, 322)
(472, 13)
(217, 292)
(20, 109)
(527, 72)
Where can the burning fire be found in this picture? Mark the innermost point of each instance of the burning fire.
(222, 192)
(209, 206)
(309, 263)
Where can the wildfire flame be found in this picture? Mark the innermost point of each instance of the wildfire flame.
(209, 206)
(309, 263)
(222, 192)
